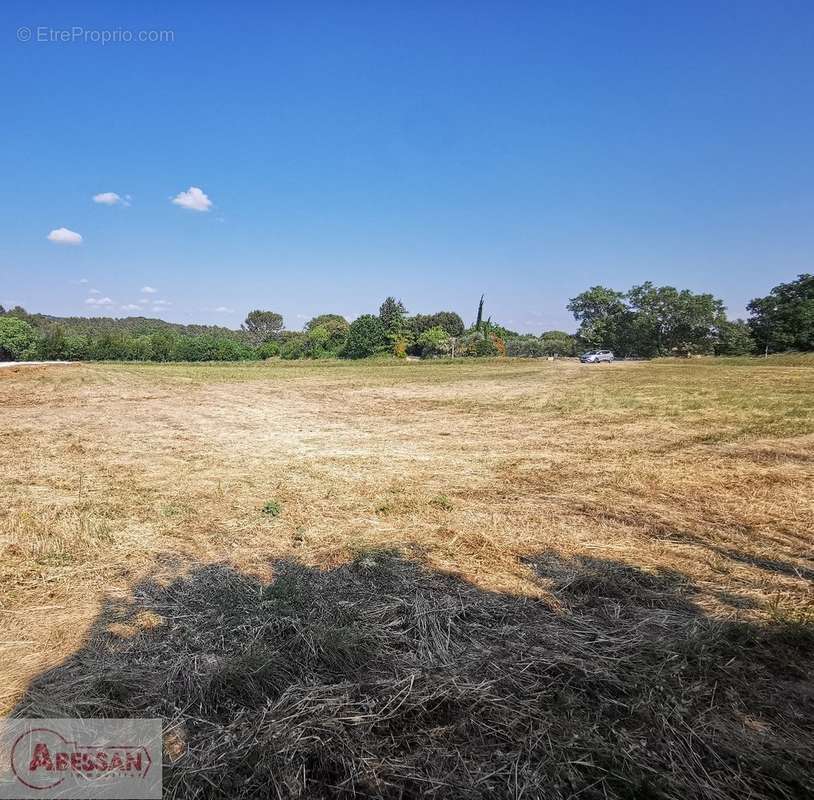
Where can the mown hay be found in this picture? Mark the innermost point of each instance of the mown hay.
(382, 679)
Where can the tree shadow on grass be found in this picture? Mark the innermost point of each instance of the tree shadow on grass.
(383, 679)
(666, 531)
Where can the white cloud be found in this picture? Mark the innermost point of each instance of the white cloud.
(83, 280)
(193, 199)
(99, 301)
(64, 236)
(148, 290)
(109, 199)
(130, 307)
(225, 310)
(95, 291)
(162, 303)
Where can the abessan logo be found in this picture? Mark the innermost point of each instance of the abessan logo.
(40, 758)
(81, 758)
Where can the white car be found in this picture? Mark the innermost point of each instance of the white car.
(596, 356)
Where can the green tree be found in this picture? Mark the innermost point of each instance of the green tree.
(20, 313)
(435, 342)
(478, 343)
(419, 323)
(391, 314)
(366, 336)
(77, 348)
(734, 339)
(162, 344)
(52, 345)
(112, 345)
(784, 319)
(317, 342)
(498, 330)
(260, 326)
(325, 319)
(188, 348)
(268, 350)
(678, 322)
(294, 347)
(449, 321)
(224, 348)
(603, 317)
(140, 348)
(337, 328)
(558, 343)
(479, 317)
(648, 320)
(18, 339)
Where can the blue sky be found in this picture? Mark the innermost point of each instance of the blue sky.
(433, 151)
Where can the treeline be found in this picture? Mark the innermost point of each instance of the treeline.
(645, 321)
(391, 332)
(648, 321)
(28, 337)
(132, 326)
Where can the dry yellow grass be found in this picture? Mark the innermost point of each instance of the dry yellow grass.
(112, 474)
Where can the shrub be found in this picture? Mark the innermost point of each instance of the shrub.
(366, 336)
(525, 347)
(18, 340)
(558, 343)
(268, 350)
(293, 347)
(231, 350)
(552, 343)
(479, 345)
(400, 348)
(317, 342)
(110, 346)
(187, 348)
(434, 342)
(441, 501)
(210, 348)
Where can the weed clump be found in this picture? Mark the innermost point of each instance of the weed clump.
(442, 502)
(271, 508)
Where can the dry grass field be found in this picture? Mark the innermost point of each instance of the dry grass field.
(499, 579)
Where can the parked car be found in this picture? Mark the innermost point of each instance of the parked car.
(596, 356)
